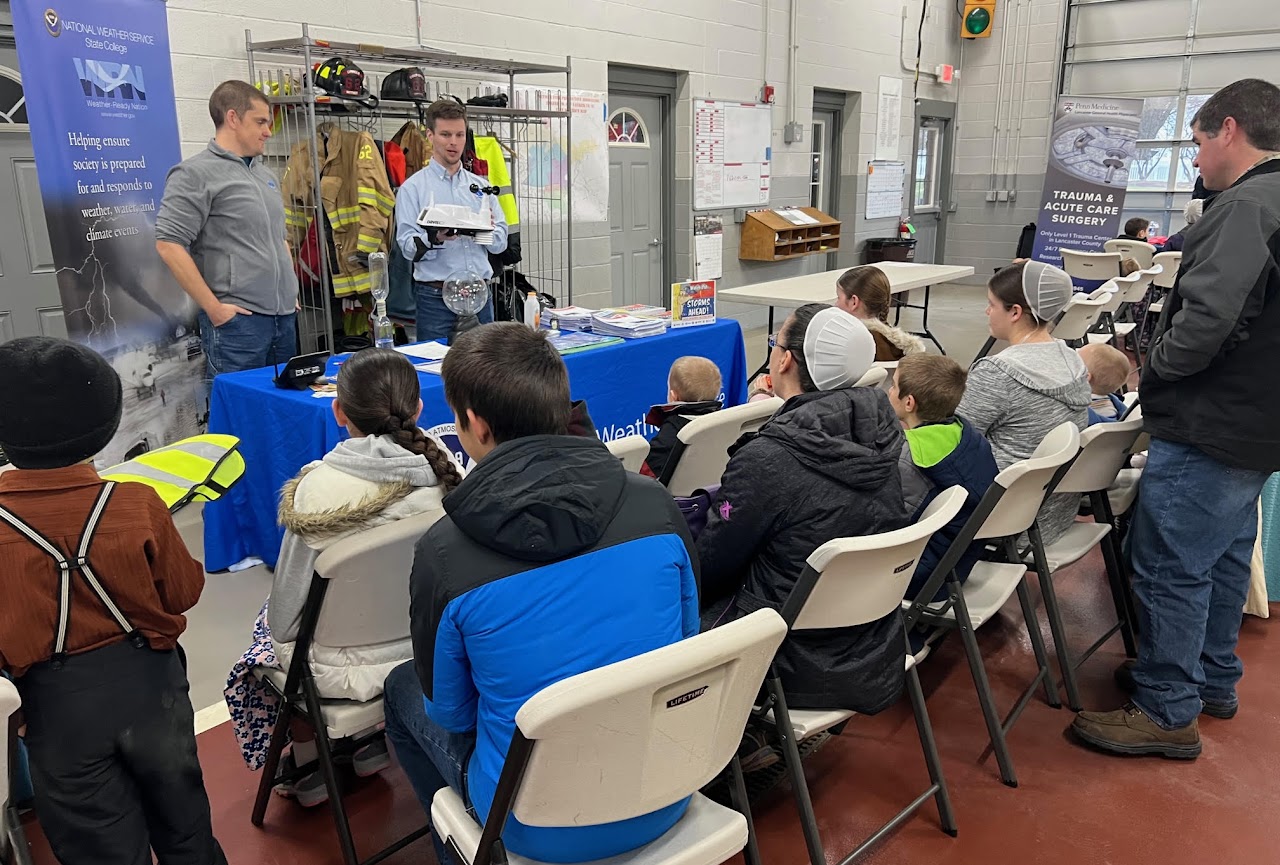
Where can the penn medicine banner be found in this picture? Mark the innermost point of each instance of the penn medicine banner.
(1091, 146)
(99, 95)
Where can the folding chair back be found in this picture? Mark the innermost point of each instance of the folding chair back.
(1139, 250)
(1025, 484)
(1169, 262)
(873, 377)
(1103, 449)
(632, 450)
(632, 737)
(9, 703)
(1094, 266)
(702, 448)
(367, 601)
(1081, 314)
(1113, 293)
(865, 579)
(1141, 283)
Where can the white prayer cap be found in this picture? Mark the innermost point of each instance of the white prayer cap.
(1047, 289)
(838, 349)
(1194, 210)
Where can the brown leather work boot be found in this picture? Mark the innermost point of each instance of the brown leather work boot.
(1130, 731)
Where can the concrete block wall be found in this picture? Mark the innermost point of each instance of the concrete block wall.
(717, 47)
(1026, 39)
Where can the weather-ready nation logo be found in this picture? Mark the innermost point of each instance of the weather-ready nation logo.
(104, 79)
(52, 23)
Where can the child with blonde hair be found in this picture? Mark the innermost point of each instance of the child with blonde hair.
(693, 389)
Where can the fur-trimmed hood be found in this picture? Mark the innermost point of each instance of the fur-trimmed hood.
(349, 516)
(897, 337)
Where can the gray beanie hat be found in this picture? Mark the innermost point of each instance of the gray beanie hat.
(1047, 289)
(838, 349)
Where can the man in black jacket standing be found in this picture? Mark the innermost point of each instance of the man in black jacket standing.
(1215, 438)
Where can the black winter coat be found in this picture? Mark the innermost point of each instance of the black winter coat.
(825, 467)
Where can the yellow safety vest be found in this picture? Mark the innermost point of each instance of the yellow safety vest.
(488, 149)
(200, 467)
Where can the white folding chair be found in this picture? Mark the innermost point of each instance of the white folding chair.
(1081, 314)
(1091, 266)
(1139, 250)
(13, 843)
(873, 377)
(359, 596)
(1007, 510)
(632, 450)
(1116, 290)
(628, 739)
(1169, 262)
(1103, 450)
(701, 450)
(845, 583)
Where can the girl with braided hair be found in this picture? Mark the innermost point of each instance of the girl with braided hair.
(389, 469)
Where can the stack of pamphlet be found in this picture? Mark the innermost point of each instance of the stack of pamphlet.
(618, 323)
(567, 318)
(640, 310)
(569, 342)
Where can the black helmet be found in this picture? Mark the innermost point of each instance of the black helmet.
(407, 84)
(338, 76)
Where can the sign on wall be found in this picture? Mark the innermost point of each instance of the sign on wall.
(99, 95)
(1091, 147)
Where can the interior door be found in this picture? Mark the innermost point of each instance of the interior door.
(929, 183)
(29, 300)
(636, 207)
(824, 176)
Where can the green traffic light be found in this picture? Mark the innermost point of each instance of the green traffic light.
(977, 21)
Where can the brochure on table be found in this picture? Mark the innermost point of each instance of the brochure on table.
(693, 303)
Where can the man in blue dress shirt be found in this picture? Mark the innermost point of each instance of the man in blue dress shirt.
(445, 181)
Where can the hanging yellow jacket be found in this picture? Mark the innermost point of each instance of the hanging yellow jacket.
(491, 151)
(416, 147)
(356, 196)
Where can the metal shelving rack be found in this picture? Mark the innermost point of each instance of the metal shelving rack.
(527, 125)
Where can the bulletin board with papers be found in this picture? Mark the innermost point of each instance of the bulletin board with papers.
(732, 148)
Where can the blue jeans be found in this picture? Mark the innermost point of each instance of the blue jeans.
(248, 342)
(434, 320)
(1191, 542)
(430, 755)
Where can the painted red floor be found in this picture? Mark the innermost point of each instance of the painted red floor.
(1072, 807)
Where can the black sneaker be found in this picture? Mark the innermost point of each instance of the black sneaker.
(1214, 709)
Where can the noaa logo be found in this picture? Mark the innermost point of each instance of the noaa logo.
(52, 23)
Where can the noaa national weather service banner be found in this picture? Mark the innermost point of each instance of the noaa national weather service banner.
(1091, 146)
(99, 96)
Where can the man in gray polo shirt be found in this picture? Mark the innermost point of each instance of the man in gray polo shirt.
(221, 231)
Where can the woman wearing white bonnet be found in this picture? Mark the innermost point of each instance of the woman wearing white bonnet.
(1016, 397)
(825, 466)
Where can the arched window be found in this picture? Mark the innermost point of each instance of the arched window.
(13, 103)
(626, 129)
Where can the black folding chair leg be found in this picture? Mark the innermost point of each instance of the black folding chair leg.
(1037, 646)
(738, 795)
(985, 701)
(272, 766)
(19, 849)
(329, 773)
(930, 747)
(1056, 627)
(799, 787)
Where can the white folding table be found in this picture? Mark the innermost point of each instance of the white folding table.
(796, 291)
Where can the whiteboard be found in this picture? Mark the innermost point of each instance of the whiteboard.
(732, 148)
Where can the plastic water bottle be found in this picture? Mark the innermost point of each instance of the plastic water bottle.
(384, 332)
(532, 310)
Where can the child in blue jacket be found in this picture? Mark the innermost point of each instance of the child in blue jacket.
(945, 451)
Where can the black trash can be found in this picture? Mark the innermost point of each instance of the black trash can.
(889, 249)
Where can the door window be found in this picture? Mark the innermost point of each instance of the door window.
(627, 129)
(13, 104)
(926, 195)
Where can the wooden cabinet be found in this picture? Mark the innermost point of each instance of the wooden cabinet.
(767, 235)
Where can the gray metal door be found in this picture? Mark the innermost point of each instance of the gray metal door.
(930, 181)
(29, 301)
(824, 176)
(635, 198)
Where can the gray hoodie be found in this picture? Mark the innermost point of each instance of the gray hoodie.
(1016, 397)
(230, 217)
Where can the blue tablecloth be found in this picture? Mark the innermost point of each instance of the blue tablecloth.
(280, 431)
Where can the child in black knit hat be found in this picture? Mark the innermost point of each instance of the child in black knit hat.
(95, 579)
